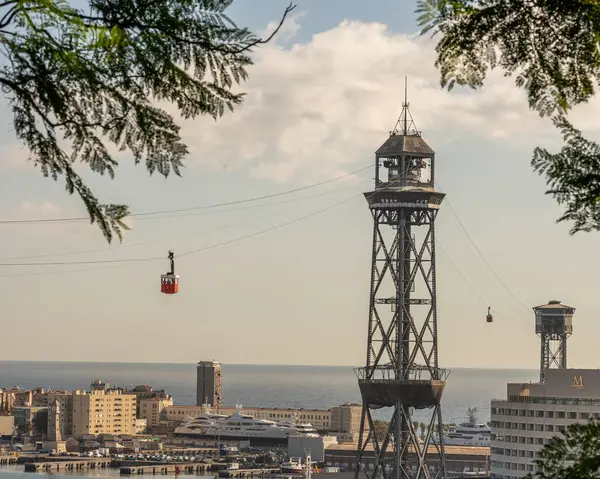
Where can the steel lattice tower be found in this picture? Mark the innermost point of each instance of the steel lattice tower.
(553, 324)
(402, 371)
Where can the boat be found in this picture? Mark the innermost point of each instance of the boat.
(294, 465)
(196, 424)
(469, 433)
(243, 427)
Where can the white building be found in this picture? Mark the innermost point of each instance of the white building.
(533, 413)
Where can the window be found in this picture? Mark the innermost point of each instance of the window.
(572, 415)
(560, 414)
(550, 414)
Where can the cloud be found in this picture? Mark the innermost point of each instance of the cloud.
(316, 109)
(312, 108)
(288, 30)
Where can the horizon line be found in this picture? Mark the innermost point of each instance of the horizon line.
(499, 368)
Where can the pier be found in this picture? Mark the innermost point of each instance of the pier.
(158, 469)
(6, 460)
(52, 466)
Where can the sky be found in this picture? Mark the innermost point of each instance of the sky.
(320, 100)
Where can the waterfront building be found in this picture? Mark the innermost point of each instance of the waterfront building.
(209, 387)
(460, 461)
(30, 419)
(151, 409)
(7, 425)
(534, 413)
(104, 411)
(145, 391)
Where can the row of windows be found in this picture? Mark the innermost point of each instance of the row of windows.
(543, 400)
(499, 451)
(513, 466)
(540, 441)
(546, 414)
(528, 427)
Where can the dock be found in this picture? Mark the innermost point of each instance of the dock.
(160, 469)
(154, 469)
(53, 466)
(6, 460)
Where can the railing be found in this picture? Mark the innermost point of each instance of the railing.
(414, 373)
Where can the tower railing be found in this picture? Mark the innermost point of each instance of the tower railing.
(389, 372)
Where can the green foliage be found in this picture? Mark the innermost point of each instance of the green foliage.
(551, 48)
(79, 81)
(575, 455)
(380, 429)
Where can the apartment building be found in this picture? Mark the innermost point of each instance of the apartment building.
(145, 391)
(533, 413)
(151, 409)
(104, 411)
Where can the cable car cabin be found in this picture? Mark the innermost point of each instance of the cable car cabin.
(489, 318)
(169, 283)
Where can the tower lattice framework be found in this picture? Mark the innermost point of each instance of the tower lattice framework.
(554, 325)
(402, 372)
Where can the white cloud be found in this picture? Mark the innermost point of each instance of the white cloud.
(315, 107)
(288, 30)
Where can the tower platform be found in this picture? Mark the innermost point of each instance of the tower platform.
(379, 388)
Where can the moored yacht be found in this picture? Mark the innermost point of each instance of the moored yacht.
(241, 427)
(468, 433)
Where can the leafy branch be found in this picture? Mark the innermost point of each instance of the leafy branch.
(551, 48)
(78, 82)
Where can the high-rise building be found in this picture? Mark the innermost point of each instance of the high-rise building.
(208, 384)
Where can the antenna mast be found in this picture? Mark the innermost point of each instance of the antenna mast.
(405, 107)
(405, 125)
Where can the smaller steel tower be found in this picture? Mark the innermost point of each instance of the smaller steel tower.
(554, 324)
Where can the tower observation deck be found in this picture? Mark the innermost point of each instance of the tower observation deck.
(402, 371)
(554, 325)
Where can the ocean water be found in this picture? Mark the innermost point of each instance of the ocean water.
(257, 385)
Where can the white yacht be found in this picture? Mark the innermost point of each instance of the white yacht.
(196, 424)
(240, 426)
(468, 433)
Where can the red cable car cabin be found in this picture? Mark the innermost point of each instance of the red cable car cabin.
(169, 282)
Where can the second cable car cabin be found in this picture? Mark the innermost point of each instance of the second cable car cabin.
(169, 282)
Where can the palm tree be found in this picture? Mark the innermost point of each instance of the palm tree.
(422, 426)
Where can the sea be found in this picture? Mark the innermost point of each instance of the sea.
(318, 387)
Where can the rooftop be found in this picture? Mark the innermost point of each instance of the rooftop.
(397, 145)
(448, 450)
